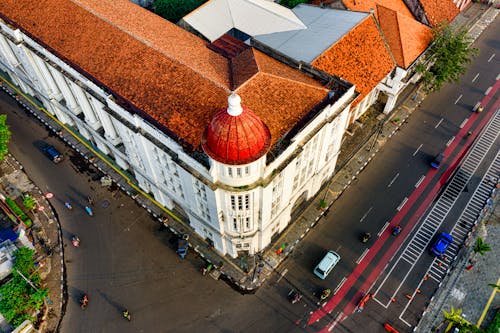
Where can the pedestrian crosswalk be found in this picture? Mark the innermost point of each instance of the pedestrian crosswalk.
(473, 209)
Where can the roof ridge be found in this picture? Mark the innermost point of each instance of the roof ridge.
(146, 42)
(266, 9)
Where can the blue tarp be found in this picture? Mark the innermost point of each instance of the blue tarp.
(8, 234)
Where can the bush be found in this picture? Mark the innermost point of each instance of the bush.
(15, 208)
(291, 3)
(174, 10)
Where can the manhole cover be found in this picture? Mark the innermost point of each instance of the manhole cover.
(105, 204)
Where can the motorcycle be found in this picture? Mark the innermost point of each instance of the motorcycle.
(68, 205)
(84, 301)
(363, 301)
(89, 210)
(127, 315)
(365, 237)
(76, 241)
(396, 230)
(294, 296)
(325, 294)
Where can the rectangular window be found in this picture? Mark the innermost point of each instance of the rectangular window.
(230, 172)
(233, 202)
(240, 202)
(238, 172)
(238, 246)
(247, 223)
(247, 201)
(235, 224)
(247, 170)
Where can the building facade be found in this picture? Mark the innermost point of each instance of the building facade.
(237, 193)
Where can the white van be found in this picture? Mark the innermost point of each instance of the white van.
(326, 264)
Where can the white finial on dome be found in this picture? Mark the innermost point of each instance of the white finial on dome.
(234, 108)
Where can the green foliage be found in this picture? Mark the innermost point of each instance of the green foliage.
(494, 286)
(19, 300)
(15, 208)
(448, 56)
(481, 247)
(4, 137)
(174, 10)
(322, 204)
(494, 326)
(455, 317)
(291, 3)
(28, 202)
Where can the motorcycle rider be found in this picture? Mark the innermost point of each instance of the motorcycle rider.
(68, 205)
(366, 237)
(127, 315)
(84, 301)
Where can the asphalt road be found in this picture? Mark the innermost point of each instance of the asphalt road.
(390, 178)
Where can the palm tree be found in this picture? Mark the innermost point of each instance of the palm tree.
(481, 247)
(454, 318)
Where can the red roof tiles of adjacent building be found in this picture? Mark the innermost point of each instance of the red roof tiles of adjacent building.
(438, 11)
(368, 5)
(406, 37)
(163, 70)
(360, 57)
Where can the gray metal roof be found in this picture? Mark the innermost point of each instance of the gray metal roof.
(325, 26)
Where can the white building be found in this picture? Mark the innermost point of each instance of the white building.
(228, 135)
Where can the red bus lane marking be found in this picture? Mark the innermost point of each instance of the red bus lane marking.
(359, 269)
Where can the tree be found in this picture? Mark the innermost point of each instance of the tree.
(481, 247)
(454, 317)
(174, 10)
(291, 3)
(4, 136)
(18, 299)
(447, 57)
(28, 202)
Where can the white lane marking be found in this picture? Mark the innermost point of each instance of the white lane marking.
(383, 229)
(416, 151)
(282, 274)
(488, 91)
(475, 77)
(402, 204)
(450, 141)
(337, 320)
(362, 256)
(464, 122)
(459, 97)
(491, 58)
(420, 181)
(476, 106)
(366, 214)
(393, 180)
(439, 123)
(340, 285)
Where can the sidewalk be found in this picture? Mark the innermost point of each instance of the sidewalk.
(46, 239)
(247, 273)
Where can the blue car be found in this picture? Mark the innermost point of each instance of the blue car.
(443, 241)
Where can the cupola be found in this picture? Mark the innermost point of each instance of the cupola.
(236, 135)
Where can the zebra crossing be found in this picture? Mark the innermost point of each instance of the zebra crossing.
(427, 230)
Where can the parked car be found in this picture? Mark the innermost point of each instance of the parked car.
(52, 153)
(326, 264)
(436, 162)
(442, 242)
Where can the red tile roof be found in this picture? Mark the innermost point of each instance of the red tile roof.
(368, 5)
(360, 57)
(406, 37)
(438, 11)
(163, 70)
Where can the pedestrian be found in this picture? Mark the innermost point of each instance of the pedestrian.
(90, 200)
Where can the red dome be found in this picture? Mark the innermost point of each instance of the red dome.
(236, 135)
